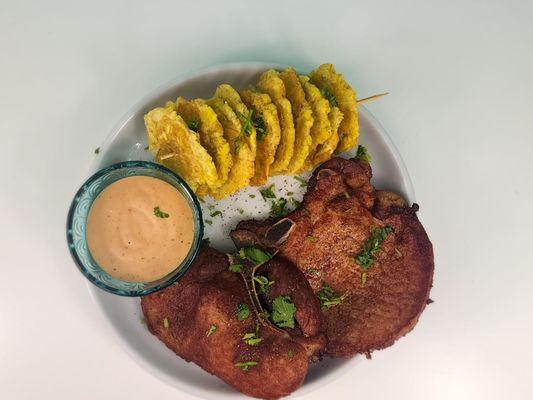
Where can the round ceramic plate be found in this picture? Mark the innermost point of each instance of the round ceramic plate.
(127, 141)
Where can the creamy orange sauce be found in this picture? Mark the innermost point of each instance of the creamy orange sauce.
(126, 237)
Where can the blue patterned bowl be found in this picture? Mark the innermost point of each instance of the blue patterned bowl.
(77, 220)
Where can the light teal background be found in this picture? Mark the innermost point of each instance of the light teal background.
(459, 110)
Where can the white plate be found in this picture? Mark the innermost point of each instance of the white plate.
(127, 142)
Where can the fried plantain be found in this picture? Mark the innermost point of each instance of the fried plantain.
(197, 114)
(178, 148)
(268, 132)
(271, 84)
(303, 120)
(339, 93)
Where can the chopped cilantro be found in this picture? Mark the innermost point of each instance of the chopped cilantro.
(303, 182)
(206, 241)
(328, 297)
(211, 330)
(290, 193)
(236, 267)
(240, 210)
(366, 257)
(260, 128)
(211, 206)
(290, 354)
(215, 213)
(208, 222)
(146, 148)
(362, 154)
(242, 312)
(246, 123)
(326, 93)
(313, 272)
(165, 323)
(160, 214)
(193, 125)
(246, 365)
(311, 239)
(283, 311)
(278, 207)
(252, 339)
(295, 202)
(252, 196)
(267, 193)
(255, 255)
(264, 283)
(97, 150)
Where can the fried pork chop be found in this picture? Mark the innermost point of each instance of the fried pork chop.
(363, 251)
(198, 319)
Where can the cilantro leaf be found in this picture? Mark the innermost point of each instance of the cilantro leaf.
(242, 312)
(283, 311)
(363, 154)
(260, 128)
(268, 193)
(328, 297)
(303, 182)
(326, 93)
(278, 208)
(160, 214)
(236, 267)
(211, 330)
(246, 365)
(366, 257)
(255, 255)
(193, 125)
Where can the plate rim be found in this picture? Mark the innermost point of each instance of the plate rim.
(110, 138)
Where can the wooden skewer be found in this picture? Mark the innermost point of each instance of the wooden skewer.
(371, 98)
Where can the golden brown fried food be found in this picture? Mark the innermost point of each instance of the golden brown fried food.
(364, 252)
(303, 120)
(197, 319)
(340, 93)
(242, 169)
(326, 149)
(271, 84)
(178, 148)
(268, 132)
(197, 114)
(321, 130)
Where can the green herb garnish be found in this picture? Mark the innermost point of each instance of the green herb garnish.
(252, 196)
(295, 202)
(246, 121)
(267, 193)
(363, 154)
(208, 222)
(246, 365)
(242, 312)
(240, 210)
(283, 311)
(160, 214)
(290, 354)
(311, 239)
(165, 323)
(313, 271)
(97, 150)
(264, 283)
(329, 97)
(303, 182)
(278, 208)
(290, 193)
(255, 255)
(211, 330)
(252, 339)
(328, 297)
(193, 125)
(236, 267)
(366, 257)
(214, 214)
(260, 128)
(211, 206)
(206, 241)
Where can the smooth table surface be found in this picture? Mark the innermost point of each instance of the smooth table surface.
(460, 112)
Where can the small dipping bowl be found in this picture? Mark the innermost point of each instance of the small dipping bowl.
(79, 212)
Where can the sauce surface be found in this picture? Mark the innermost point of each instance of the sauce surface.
(139, 229)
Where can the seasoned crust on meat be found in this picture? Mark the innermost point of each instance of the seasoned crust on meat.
(207, 295)
(340, 210)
